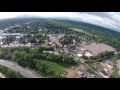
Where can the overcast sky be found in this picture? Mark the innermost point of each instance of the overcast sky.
(106, 19)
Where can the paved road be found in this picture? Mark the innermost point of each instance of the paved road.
(25, 72)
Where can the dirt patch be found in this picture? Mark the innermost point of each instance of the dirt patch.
(56, 53)
(71, 73)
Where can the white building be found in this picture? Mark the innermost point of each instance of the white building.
(79, 55)
(111, 67)
(74, 42)
(47, 51)
(88, 54)
(83, 49)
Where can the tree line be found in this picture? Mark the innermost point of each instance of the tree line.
(100, 57)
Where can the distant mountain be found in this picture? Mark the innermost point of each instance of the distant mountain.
(28, 16)
(66, 19)
(88, 25)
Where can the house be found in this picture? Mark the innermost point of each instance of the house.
(106, 70)
(109, 64)
(34, 44)
(93, 75)
(111, 67)
(62, 50)
(50, 43)
(72, 47)
(81, 74)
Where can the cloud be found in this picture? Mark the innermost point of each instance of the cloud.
(106, 19)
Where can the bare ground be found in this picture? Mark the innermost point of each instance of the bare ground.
(98, 48)
(71, 73)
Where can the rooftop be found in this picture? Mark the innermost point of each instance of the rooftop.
(79, 55)
(88, 54)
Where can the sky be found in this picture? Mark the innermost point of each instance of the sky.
(106, 19)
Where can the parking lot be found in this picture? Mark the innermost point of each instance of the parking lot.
(98, 48)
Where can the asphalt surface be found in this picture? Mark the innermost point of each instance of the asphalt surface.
(23, 71)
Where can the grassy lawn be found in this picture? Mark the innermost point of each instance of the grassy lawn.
(64, 65)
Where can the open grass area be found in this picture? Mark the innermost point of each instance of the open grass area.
(65, 65)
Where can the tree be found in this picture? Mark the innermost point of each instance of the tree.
(16, 56)
(33, 41)
(115, 69)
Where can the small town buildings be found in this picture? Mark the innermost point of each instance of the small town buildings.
(81, 74)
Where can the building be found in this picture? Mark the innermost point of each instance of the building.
(9, 34)
(47, 51)
(40, 31)
(108, 65)
(81, 74)
(83, 49)
(93, 76)
(104, 74)
(18, 38)
(85, 43)
(62, 50)
(88, 55)
(79, 55)
(72, 47)
(34, 45)
(111, 67)
(74, 42)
